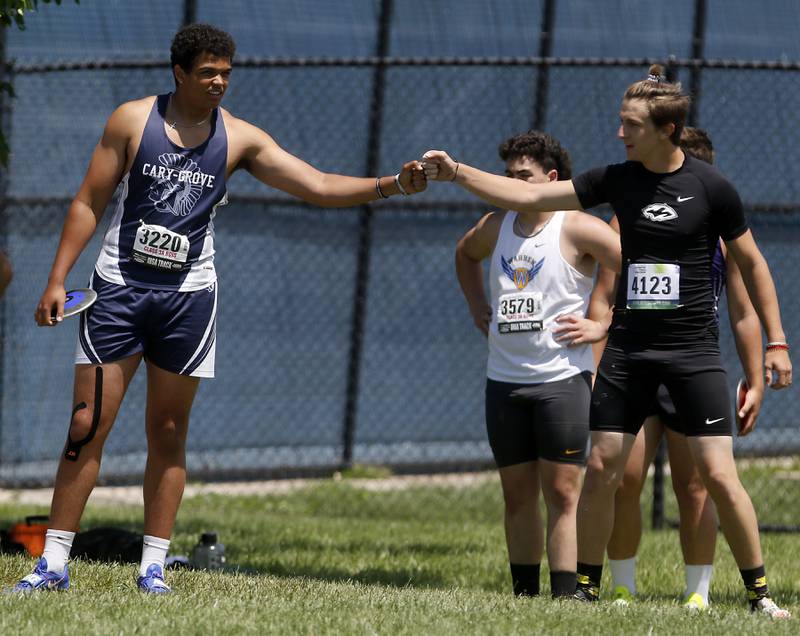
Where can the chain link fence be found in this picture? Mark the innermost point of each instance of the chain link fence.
(342, 335)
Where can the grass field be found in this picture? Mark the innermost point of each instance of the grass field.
(336, 558)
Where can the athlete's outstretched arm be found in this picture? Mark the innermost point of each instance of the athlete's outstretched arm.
(101, 180)
(477, 244)
(268, 162)
(510, 194)
(747, 334)
(761, 289)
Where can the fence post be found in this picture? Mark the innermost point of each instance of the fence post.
(189, 11)
(6, 75)
(698, 51)
(365, 239)
(658, 488)
(543, 75)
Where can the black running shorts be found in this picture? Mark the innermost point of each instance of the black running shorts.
(527, 422)
(664, 409)
(627, 384)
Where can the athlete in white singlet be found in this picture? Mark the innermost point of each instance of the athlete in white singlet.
(538, 372)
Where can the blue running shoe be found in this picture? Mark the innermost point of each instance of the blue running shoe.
(153, 581)
(41, 579)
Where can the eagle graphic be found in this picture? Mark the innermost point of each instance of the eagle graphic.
(521, 275)
(173, 196)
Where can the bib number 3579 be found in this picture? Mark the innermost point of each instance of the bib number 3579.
(156, 246)
(520, 312)
(653, 286)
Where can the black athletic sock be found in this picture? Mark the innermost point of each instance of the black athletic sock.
(755, 581)
(525, 578)
(588, 579)
(562, 584)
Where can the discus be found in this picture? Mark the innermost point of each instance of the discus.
(741, 396)
(78, 300)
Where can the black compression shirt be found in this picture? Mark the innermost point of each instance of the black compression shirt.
(670, 218)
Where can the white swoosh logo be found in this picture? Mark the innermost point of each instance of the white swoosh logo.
(682, 199)
(708, 421)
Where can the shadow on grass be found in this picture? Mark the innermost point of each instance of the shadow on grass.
(388, 547)
(391, 574)
(388, 576)
(380, 558)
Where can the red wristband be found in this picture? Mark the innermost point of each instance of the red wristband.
(772, 346)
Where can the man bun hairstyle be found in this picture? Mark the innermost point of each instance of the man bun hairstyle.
(195, 39)
(696, 142)
(666, 103)
(541, 148)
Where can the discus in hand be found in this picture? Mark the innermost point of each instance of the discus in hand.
(738, 402)
(78, 300)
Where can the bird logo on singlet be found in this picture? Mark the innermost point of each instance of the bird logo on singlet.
(175, 192)
(659, 212)
(521, 275)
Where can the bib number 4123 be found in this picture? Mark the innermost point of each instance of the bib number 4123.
(653, 286)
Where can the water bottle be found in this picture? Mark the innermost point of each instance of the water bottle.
(208, 554)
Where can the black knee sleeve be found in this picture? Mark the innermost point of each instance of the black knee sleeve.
(73, 448)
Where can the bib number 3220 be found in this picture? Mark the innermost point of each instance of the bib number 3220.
(653, 286)
(156, 246)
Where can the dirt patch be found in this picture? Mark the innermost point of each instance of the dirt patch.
(132, 495)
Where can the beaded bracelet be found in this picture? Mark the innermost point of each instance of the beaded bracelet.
(774, 346)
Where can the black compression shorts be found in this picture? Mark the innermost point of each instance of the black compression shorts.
(664, 409)
(527, 422)
(627, 384)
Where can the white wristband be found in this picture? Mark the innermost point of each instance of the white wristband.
(399, 187)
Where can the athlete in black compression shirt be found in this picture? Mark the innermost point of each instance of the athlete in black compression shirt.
(698, 517)
(672, 210)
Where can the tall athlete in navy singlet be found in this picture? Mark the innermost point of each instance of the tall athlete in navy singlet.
(672, 210)
(155, 279)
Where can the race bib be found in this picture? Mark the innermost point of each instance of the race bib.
(156, 246)
(521, 312)
(653, 286)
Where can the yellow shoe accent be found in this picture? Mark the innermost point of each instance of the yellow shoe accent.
(695, 603)
(622, 596)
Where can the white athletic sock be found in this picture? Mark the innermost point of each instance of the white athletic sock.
(698, 580)
(154, 550)
(57, 546)
(623, 572)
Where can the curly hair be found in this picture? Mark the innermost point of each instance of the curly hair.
(195, 39)
(541, 148)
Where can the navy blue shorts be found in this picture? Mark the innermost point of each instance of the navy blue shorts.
(174, 330)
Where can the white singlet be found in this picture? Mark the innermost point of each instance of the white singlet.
(531, 285)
